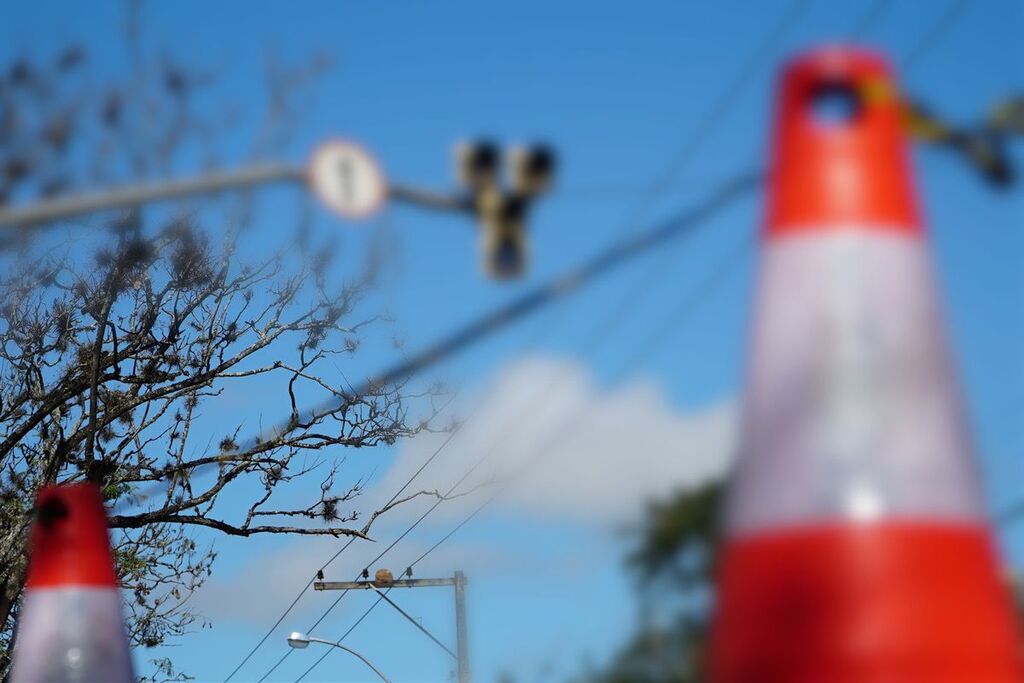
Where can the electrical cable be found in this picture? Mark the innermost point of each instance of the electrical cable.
(934, 34)
(680, 224)
(917, 54)
(547, 451)
(697, 136)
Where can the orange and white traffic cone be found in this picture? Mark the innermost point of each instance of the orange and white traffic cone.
(70, 627)
(856, 547)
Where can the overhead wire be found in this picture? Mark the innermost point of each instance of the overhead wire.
(690, 146)
(675, 227)
(661, 334)
(1005, 518)
(934, 34)
(693, 142)
(563, 429)
(931, 38)
(867, 22)
(682, 223)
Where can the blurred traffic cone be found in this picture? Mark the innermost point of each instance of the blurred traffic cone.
(70, 626)
(856, 547)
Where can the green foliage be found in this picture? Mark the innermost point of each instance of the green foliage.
(673, 562)
(679, 536)
(114, 490)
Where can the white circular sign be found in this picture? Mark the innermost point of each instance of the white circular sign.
(347, 179)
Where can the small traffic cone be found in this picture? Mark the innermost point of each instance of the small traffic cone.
(856, 546)
(70, 627)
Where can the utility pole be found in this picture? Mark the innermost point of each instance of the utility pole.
(458, 582)
(462, 641)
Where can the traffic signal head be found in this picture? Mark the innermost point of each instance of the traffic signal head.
(531, 169)
(501, 208)
(1008, 116)
(985, 149)
(477, 164)
(504, 236)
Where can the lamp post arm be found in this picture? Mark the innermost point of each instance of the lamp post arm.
(352, 652)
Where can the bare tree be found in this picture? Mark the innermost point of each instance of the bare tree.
(109, 356)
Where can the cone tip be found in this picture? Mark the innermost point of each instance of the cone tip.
(839, 153)
(69, 544)
(839, 60)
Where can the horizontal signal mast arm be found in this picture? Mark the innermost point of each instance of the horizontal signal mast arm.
(129, 196)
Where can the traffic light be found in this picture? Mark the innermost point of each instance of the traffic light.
(504, 236)
(923, 125)
(531, 170)
(1008, 116)
(502, 208)
(983, 147)
(478, 164)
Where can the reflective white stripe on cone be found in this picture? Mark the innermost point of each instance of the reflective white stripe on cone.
(856, 548)
(70, 628)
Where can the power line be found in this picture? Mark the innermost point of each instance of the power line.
(351, 628)
(560, 287)
(617, 190)
(284, 614)
(934, 34)
(713, 116)
(330, 560)
(546, 450)
(697, 136)
(917, 54)
(644, 351)
(869, 19)
(682, 223)
(1010, 515)
(415, 623)
(659, 336)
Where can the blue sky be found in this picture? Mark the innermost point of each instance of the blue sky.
(618, 88)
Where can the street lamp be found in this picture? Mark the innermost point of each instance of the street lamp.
(300, 641)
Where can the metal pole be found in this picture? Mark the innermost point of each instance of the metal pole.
(351, 651)
(127, 196)
(134, 195)
(423, 630)
(458, 582)
(462, 640)
(429, 198)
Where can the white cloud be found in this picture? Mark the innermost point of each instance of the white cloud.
(592, 454)
(597, 455)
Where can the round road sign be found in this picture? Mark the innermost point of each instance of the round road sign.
(347, 179)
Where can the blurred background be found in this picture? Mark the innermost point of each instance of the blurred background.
(576, 434)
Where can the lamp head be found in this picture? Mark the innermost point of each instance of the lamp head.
(298, 640)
